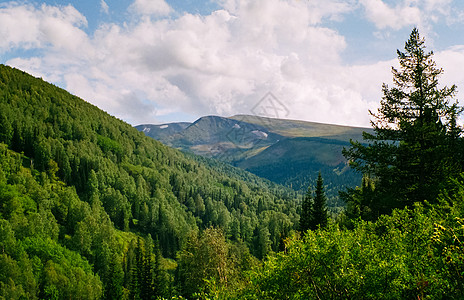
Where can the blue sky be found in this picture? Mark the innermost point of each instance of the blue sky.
(156, 61)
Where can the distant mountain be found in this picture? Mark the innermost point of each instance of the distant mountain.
(288, 152)
(164, 131)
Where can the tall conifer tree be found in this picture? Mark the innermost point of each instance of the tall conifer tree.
(410, 154)
(306, 211)
(319, 211)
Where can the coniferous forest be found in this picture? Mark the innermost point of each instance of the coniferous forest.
(90, 208)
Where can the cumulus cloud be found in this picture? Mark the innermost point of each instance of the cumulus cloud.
(384, 16)
(151, 7)
(30, 27)
(221, 63)
(104, 7)
(407, 13)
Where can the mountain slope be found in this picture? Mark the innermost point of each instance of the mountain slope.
(82, 193)
(164, 131)
(296, 128)
(287, 152)
(214, 136)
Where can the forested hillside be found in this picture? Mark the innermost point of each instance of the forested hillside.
(92, 208)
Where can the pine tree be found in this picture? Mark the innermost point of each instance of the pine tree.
(306, 211)
(410, 154)
(319, 210)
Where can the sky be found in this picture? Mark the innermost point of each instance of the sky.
(159, 61)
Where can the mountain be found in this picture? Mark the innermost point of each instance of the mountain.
(212, 136)
(165, 130)
(288, 152)
(90, 206)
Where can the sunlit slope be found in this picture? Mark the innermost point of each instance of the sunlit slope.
(287, 152)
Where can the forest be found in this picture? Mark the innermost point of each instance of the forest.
(90, 208)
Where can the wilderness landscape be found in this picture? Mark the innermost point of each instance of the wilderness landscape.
(287, 149)
(92, 208)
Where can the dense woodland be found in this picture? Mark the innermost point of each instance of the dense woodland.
(90, 208)
(88, 202)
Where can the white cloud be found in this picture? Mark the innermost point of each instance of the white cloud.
(104, 7)
(222, 63)
(30, 27)
(407, 13)
(384, 16)
(452, 60)
(440, 6)
(151, 7)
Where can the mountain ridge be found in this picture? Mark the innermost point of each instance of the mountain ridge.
(270, 147)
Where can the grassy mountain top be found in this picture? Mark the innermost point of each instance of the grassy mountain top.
(296, 128)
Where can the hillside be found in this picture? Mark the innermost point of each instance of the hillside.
(87, 200)
(296, 128)
(287, 152)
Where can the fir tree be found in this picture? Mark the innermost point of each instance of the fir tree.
(319, 209)
(146, 273)
(306, 211)
(159, 283)
(413, 151)
(114, 288)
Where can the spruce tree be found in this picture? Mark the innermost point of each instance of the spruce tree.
(319, 210)
(306, 211)
(159, 283)
(410, 155)
(114, 284)
(146, 273)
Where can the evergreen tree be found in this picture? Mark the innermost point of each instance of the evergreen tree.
(146, 273)
(159, 277)
(114, 288)
(306, 211)
(411, 154)
(319, 210)
(361, 200)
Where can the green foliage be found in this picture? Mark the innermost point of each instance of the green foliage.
(412, 171)
(79, 189)
(209, 265)
(414, 253)
(361, 201)
(82, 194)
(204, 257)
